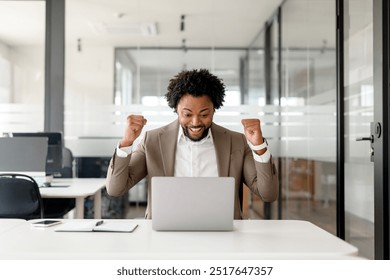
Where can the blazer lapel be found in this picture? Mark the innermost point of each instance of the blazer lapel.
(222, 144)
(168, 142)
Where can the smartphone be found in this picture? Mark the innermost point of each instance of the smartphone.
(46, 223)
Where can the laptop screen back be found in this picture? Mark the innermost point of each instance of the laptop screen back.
(192, 203)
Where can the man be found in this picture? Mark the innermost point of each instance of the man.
(193, 145)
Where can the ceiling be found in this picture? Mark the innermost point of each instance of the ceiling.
(216, 23)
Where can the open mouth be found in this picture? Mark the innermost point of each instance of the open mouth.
(195, 133)
(195, 130)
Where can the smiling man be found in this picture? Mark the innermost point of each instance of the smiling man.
(193, 145)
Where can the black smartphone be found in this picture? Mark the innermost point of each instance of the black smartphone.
(46, 223)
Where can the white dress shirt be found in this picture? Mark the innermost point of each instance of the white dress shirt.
(195, 158)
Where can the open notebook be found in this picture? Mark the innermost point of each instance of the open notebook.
(102, 226)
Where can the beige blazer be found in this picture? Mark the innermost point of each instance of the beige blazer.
(155, 156)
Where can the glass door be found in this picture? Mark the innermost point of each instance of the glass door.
(358, 116)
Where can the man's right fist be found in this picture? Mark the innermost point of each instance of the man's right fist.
(134, 126)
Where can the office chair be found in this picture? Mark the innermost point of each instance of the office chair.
(59, 207)
(20, 197)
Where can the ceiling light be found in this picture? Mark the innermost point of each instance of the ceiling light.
(125, 28)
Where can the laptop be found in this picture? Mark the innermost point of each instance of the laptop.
(24, 155)
(192, 203)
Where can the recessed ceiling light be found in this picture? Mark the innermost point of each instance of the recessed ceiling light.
(125, 28)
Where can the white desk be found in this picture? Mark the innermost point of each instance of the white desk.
(251, 239)
(79, 188)
(7, 224)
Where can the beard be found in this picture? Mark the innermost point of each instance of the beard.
(187, 132)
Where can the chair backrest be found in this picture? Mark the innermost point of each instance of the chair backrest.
(59, 207)
(20, 197)
(67, 164)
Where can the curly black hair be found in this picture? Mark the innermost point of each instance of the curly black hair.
(196, 83)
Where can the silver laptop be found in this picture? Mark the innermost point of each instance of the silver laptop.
(193, 203)
(25, 155)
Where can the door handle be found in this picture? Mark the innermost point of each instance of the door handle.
(374, 131)
(371, 138)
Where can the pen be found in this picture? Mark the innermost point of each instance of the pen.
(98, 223)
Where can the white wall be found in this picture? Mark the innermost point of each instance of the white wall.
(89, 76)
(5, 74)
(28, 74)
(22, 74)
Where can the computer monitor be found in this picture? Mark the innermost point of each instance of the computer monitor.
(24, 155)
(54, 153)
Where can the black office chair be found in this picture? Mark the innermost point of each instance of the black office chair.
(59, 207)
(20, 197)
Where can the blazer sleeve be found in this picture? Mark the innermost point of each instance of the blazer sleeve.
(261, 178)
(124, 173)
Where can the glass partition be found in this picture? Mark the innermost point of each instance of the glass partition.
(22, 48)
(308, 112)
(256, 87)
(142, 74)
(141, 78)
(359, 113)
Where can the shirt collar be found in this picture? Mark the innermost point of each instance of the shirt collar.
(182, 137)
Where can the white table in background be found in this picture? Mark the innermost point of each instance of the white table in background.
(250, 239)
(79, 188)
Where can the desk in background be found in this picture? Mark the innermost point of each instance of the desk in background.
(251, 239)
(79, 188)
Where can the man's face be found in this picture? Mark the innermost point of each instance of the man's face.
(195, 116)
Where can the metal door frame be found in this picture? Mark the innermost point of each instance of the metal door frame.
(381, 123)
(381, 15)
